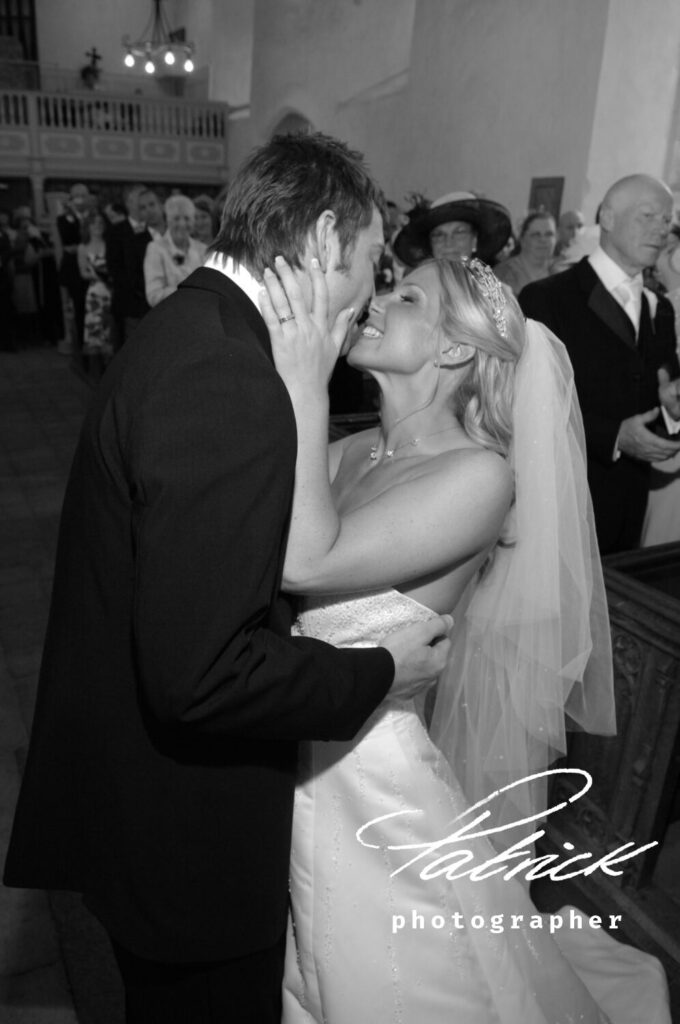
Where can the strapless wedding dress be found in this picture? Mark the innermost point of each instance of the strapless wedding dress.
(369, 944)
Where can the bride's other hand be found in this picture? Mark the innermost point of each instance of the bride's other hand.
(304, 346)
(420, 654)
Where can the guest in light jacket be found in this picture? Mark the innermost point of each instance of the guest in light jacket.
(170, 259)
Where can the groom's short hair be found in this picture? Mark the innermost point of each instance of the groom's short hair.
(281, 190)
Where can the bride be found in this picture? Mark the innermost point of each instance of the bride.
(470, 495)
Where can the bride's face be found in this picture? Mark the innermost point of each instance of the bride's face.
(402, 331)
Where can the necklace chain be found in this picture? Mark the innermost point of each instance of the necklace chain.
(412, 442)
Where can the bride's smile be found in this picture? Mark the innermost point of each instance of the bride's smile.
(402, 331)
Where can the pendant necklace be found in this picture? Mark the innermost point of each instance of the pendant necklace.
(413, 442)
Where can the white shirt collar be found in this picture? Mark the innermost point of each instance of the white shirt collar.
(237, 273)
(608, 270)
(612, 275)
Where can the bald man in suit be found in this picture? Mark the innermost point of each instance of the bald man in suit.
(621, 341)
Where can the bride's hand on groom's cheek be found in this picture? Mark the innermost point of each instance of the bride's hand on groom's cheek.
(304, 347)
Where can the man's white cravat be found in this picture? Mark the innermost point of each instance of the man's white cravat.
(629, 295)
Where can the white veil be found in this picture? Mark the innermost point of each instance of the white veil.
(531, 642)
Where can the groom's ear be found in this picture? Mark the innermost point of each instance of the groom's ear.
(324, 240)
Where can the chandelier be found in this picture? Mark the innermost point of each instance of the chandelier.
(160, 48)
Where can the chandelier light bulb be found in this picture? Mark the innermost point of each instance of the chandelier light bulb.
(159, 48)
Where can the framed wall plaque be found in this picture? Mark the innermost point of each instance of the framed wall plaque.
(546, 194)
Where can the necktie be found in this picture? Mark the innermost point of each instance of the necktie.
(629, 295)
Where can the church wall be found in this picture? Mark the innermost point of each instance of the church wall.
(338, 64)
(635, 120)
(68, 28)
(443, 94)
(223, 34)
(500, 93)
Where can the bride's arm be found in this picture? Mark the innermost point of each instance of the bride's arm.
(305, 352)
(453, 510)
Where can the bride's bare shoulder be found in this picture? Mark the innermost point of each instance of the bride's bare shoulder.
(482, 472)
(472, 465)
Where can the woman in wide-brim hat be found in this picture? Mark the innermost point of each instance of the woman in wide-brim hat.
(467, 225)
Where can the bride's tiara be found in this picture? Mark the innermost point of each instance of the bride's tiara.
(492, 290)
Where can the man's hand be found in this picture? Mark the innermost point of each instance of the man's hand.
(420, 653)
(669, 393)
(640, 443)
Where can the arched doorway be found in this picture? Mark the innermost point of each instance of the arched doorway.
(291, 123)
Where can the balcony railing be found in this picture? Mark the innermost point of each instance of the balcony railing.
(113, 114)
(112, 136)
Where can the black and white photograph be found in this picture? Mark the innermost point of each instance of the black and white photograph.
(339, 512)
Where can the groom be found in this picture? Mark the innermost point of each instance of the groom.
(160, 776)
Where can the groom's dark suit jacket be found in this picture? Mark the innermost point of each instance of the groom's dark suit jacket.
(616, 377)
(160, 774)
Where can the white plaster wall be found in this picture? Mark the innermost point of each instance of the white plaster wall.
(223, 33)
(501, 91)
(634, 122)
(68, 28)
(315, 57)
(439, 94)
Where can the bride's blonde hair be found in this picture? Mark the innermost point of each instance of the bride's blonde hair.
(482, 402)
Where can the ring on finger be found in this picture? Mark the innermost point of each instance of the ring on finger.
(285, 319)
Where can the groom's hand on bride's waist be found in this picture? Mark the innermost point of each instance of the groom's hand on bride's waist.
(420, 653)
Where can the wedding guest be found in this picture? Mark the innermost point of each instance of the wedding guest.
(536, 246)
(662, 517)
(6, 228)
(667, 273)
(69, 224)
(169, 260)
(621, 342)
(28, 248)
(570, 228)
(94, 270)
(204, 219)
(160, 775)
(126, 247)
(456, 225)
(152, 213)
(115, 213)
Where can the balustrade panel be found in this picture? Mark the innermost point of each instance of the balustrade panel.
(111, 113)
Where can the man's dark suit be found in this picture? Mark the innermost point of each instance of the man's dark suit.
(70, 278)
(616, 377)
(125, 251)
(161, 770)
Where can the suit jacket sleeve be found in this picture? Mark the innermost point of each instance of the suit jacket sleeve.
(156, 282)
(212, 490)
